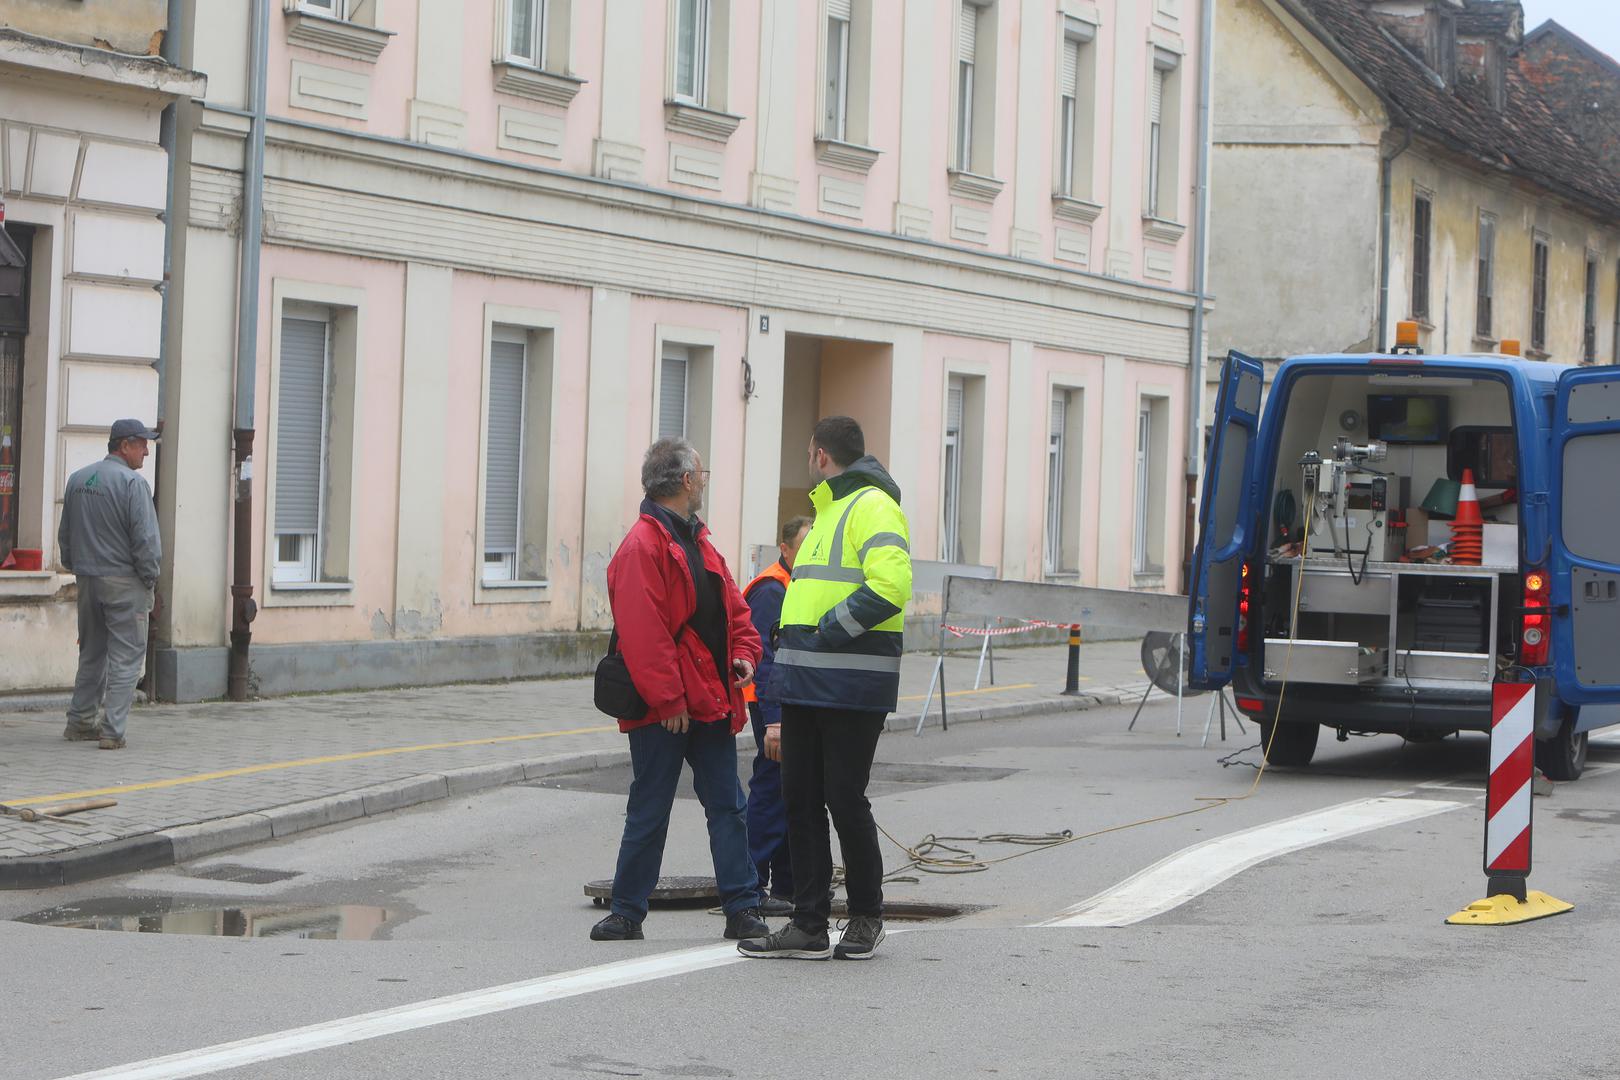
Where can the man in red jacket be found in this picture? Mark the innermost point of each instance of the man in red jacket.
(690, 648)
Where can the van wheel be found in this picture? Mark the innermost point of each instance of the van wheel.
(1563, 757)
(1295, 744)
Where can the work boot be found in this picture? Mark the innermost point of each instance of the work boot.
(861, 938)
(617, 928)
(745, 924)
(775, 907)
(77, 734)
(788, 943)
(110, 743)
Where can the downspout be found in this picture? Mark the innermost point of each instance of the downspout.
(167, 139)
(243, 608)
(1386, 170)
(1195, 361)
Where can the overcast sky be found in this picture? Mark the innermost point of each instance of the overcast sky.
(1598, 21)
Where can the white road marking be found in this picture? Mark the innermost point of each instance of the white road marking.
(1193, 871)
(211, 1059)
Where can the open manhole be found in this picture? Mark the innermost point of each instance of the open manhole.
(243, 875)
(702, 891)
(165, 915)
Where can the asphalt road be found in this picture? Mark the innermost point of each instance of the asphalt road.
(1297, 932)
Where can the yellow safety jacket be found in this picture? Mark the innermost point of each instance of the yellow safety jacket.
(844, 614)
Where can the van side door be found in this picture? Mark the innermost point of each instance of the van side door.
(1226, 521)
(1585, 528)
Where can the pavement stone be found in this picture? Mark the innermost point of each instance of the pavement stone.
(198, 779)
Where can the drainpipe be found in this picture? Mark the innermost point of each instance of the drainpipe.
(243, 608)
(1195, 362)
(167, 124)
(1386, 170)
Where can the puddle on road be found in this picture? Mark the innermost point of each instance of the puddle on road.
(164, 915)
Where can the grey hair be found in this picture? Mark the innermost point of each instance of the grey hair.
(665, 466)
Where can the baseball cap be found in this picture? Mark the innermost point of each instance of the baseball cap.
(131, 429)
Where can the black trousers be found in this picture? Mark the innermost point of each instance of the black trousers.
(826, 763)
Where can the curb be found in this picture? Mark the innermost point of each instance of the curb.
(182, 843)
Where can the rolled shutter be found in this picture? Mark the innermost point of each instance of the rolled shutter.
(1058, 409)
(1071, 69)
(672, 396)
(300, 425)
(967, 33)
(839, 9)
(953, 408)
(504, 447)
(1156, 105)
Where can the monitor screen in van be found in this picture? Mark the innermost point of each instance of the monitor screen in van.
(1408, 418)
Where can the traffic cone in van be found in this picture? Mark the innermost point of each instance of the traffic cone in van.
(1468, 528)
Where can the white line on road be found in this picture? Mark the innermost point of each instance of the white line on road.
(1193, 871)
(210, 1059)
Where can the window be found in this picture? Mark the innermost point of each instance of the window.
(673, 371)
(1054, 482)
(967, 45)
(503, 453)
(1077, 81)
(950, 537)
(1589, 313)
(14, 282)
(1422, 210)
(337, 9)
(526, 31)
(1144, 443)
(683, 384)
(1484, 285)
(974, 102)
(1163, 137)
(1155, 141)
(303, 419)
(1068, 111)
(1538, 296)
(835, 107)
(1152, 452)
(692, 51)
(1063, 444)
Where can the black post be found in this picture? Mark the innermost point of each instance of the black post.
(1071, 684)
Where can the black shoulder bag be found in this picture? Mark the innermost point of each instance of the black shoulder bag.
(615, 692)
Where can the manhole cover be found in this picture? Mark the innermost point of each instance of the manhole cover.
(243, 875)
(669, 890)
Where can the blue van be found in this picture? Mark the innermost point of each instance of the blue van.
(1329, 572)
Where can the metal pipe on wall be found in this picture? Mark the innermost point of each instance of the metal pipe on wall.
(1386, 169)
(1195, 362)
(243, 608)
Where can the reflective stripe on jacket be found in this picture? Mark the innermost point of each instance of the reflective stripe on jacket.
(844, 613)
(765, 607)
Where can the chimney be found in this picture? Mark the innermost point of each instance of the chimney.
(1487, 32)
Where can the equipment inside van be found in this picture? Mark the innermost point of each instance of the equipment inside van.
(1394, 534)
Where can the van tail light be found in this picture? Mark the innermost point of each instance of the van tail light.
(1252, 705)
(1535, 630)
(1243, 611)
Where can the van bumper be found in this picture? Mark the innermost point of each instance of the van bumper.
(1371, 708)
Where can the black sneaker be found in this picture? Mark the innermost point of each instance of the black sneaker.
(776, 907)
(861, 938)
(746, 924)
(75, 734)
(788, 943)
(617, 928)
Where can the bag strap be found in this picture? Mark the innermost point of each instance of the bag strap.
(613, 638)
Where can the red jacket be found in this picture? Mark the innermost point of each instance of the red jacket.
(651, 591)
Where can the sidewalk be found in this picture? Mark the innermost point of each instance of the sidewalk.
(197, 779)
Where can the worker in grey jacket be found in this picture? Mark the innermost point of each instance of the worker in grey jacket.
(109, 539)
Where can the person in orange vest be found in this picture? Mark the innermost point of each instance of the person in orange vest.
(767, 814)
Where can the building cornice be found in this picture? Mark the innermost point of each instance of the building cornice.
(60, 59)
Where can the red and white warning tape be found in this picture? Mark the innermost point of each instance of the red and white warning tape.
(1003, 631)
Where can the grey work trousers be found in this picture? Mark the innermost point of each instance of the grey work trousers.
(113, 615)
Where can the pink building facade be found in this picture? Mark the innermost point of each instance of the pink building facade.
(506, 244)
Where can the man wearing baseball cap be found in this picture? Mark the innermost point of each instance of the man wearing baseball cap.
(109, 539)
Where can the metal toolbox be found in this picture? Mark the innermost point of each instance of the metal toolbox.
(1455, 666)
(1340, 663)
(1339, 594)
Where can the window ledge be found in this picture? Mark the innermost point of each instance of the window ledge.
(525, 80)
(690, 119)
(973, 186)
(1145, 582)
(537, 584)
(1489, 344)
(1072, 209)
(32, 583)
(513, 592)
(845, 155)
(336, 36)
(1537, 354)
(1154, 228)
(311, 586)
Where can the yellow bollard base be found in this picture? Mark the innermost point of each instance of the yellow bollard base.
(1504, 910)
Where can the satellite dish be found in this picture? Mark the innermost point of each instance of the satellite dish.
(1349, 421)
(1162, 657)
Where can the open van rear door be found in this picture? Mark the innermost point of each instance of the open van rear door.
(1585, 512)
(1226, 515)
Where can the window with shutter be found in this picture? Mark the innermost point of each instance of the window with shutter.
(526, 32)
(951, 503)
(1421, 208)
(1155, 138)
(672, 392)
(1054, 482)
(966, 49)
(1144, 440)
(503, 456)
(1486, 271)
(835, 110)
(304, 379)
(1068, 91)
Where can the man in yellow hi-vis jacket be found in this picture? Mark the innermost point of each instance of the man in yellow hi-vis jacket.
(837, 677)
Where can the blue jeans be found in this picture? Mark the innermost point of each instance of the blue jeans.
(655, 757)
(767, 818)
